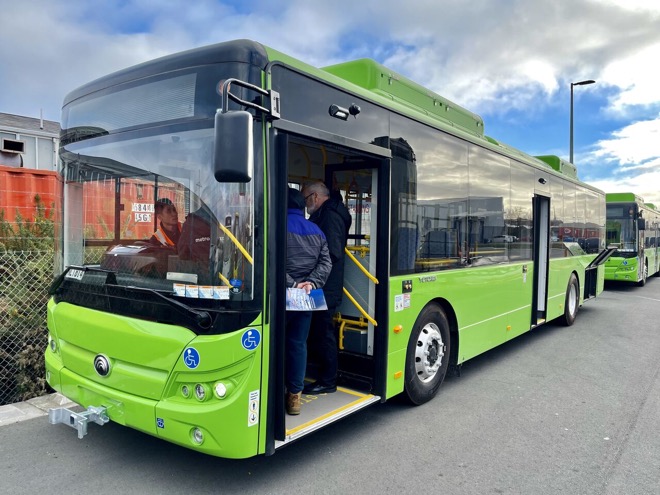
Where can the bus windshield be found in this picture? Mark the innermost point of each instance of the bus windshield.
(621, 227)
(145, 208)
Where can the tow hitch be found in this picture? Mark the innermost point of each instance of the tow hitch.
(78, 420)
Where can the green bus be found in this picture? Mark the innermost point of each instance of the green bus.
(450, 252)
(633, 228)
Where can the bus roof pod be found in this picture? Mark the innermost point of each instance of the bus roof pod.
(562, 166)
(378, 79)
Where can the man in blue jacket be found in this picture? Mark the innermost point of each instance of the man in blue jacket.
(307, 267)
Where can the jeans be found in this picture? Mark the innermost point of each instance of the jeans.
(297, 329)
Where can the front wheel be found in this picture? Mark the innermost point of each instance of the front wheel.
(645, 275)
(572, 301)
(427, 357)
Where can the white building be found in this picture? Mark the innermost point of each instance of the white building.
(28, 142)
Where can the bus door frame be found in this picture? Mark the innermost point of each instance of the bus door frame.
(541, 211)
(280, 135)
(382, 244)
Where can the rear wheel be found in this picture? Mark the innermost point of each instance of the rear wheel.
(572, 301)
(427, 357)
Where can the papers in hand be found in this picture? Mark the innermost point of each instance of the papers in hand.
(299, 300)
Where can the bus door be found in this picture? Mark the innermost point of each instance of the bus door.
(541, 258)
(359, 176)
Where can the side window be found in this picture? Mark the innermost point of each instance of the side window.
(489, 205)
(430, 222)
(518, 218)
(569, 233)
(557, 219)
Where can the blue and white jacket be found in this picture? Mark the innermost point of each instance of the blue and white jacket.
(308, 258)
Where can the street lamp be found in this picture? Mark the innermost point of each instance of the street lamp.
(581, 83)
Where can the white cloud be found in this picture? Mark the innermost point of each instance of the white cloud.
(636, 143)
(490, 57)
(631, 159)
(638, 79)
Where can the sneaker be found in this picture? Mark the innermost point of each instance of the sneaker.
(293, 403)
(318, 388)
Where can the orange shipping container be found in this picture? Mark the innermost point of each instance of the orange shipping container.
(19, 188)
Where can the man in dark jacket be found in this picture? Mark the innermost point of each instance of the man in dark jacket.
(330, 214)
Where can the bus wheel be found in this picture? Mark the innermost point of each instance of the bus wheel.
(645, 274)
(427, 357)
(572, 301)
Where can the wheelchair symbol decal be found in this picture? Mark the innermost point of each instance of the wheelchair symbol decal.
(191, 358)
(251, 339)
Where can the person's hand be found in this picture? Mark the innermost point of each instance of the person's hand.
(305, 285)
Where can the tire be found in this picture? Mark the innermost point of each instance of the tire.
(427, 356)
(572, 301)
(645, 275)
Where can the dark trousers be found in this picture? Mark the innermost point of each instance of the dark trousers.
(322, 343)
(297, 330)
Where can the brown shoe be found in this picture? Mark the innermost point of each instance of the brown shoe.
(293, 403)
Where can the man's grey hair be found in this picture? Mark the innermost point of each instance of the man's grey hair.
(318, 188)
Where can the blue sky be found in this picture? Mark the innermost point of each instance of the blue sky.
(510, 61)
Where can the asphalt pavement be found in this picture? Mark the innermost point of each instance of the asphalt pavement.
(556, 411)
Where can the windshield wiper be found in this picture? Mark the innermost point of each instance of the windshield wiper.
(202, 318)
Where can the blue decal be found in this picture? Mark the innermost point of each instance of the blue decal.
(236, 285)
(160, 422)
(625, 262)
(251, 339)
(191, 358)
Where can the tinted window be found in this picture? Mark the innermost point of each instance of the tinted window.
(432, 215)
(489, 201)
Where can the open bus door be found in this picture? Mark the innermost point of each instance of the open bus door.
(362, 180)
(541, 258)
(591, 271)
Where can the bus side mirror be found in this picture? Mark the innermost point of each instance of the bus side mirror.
(641, 224)
(233, 151)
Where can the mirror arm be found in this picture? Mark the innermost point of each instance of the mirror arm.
(273, 96)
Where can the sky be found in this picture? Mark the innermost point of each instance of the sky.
(510, 61)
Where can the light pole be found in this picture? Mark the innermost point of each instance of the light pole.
(581, 83)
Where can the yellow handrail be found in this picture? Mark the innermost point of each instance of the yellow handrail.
(236, 243)
(359, 265)
(360, 309)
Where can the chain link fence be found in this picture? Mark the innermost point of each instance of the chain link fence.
(25, 277)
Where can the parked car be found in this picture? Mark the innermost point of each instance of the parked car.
(504, 238)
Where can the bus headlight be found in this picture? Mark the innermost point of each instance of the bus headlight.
(52, 343)
(220, 390)
(185, 391)
(200, 391)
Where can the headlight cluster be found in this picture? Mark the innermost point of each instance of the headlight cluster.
(204, 391)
